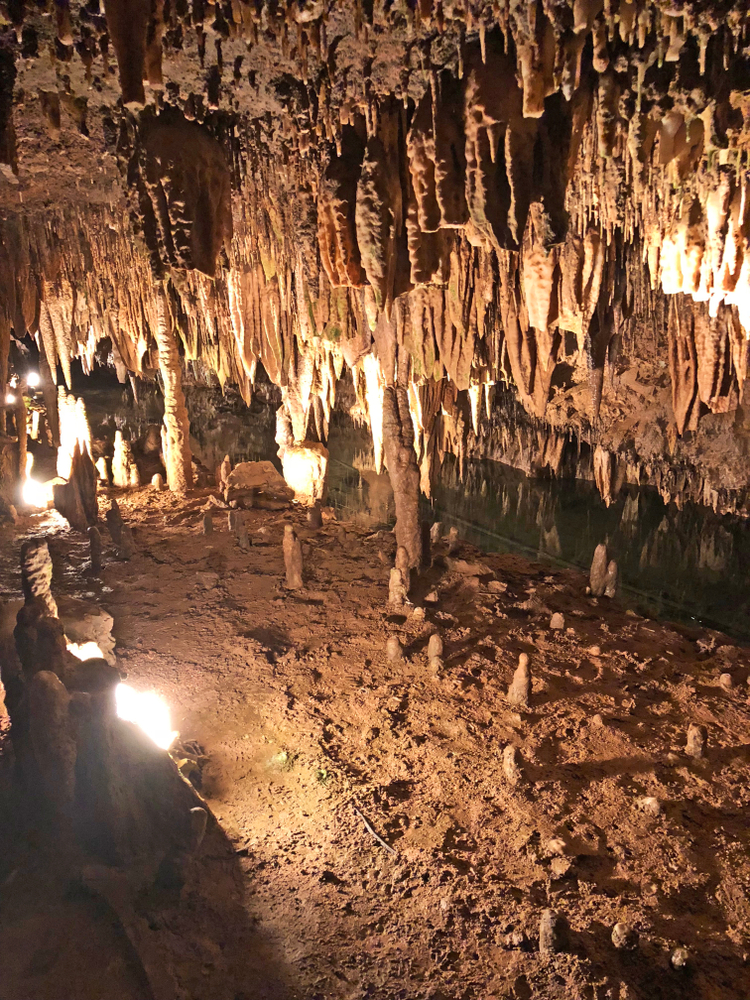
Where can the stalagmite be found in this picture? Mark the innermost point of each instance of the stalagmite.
(511, 765)
(611, 579)
(398, 441)
(124, 470)
(177, 457)
(697, 738)
(114, 522)
(157, 482)
(598, 571)
(292, 558)
(36, 575)
(126, 545)
(95, 549)
(397, 589)
(208, 524)
(553, 933)
(520, 688)
(394, 650)
(315, 518)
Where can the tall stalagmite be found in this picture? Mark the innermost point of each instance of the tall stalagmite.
(177, 456)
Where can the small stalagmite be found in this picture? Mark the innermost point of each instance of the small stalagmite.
(453, 541)
(394, 650)
(520, 688)
(124, 470)
(292, 558)
(95, 549)
(233, 520)
(598, 571)
(114, 522)
(435, 653)
(36, 574)
(126, 545)
(208, 524)
(611, 580)
(402, 564)
(315, 518)
(436, 532)
(553, 933)
(224, 470)
(397, 591)
(512, 765)
(243, 539)
(157, 481)
(697, 738)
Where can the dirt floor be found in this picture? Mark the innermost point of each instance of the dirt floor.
(310, 733)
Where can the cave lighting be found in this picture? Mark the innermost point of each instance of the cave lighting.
(148, 711)
(32, 379)
(10, 398)
(85, 650)
(34, 493)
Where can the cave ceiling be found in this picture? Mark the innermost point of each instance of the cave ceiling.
(458, 197)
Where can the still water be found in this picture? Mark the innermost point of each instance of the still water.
(687, 565)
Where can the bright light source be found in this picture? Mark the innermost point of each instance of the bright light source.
(148, 711)
(10, 399)
(34, 493)
(85, 650)
(32, 379)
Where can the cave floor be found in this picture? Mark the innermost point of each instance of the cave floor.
(303, 720)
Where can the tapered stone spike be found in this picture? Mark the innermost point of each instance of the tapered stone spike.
(292, 558)
(224, 470)
(611, 579)
(126, 548)
(115, 522)
(553, 933)
(208, 524)
(243, 539)
(436, 532)
(157, 481)
(402, 565)
(393, 649)
(36, 574)
(511, 765)
(396, 590)
(434, 646)
(315, 518)
(697, 738)
(233, 520)
(520, 688)
(95, 549)
(453, 540)
(598, 571)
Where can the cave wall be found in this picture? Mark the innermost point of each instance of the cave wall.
(548, 196)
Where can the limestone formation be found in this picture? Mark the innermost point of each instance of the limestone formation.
(553, 933)
(520, 688)
(557, 622)
(697, 738)
(115, 522)
(157, 482)
(611, 579)
(76, 499)
(394, 650)
(512, 765)
(624, 937)
(224, 471)
(177, 455)
(397, 589)
(243, 539)
(680, 958)
(208, 524)
(436, 532)
(598, 571)
(126, 545)
(292, 558)
(95, 549)
(124, 469)
(36, 575)
(434, 647)
(315, 518)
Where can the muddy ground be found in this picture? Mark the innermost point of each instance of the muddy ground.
(308, 730)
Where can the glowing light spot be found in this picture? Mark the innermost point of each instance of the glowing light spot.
(148, 711)
(10, 399)
(85, 650)
(32, 380)
(34, 493)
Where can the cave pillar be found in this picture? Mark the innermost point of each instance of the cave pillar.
(177, 457)
(401, 459)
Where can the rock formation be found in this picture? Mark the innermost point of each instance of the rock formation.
(292, 558)
(520, 688)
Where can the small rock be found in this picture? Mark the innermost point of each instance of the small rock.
(680, 958)
(624, 937)
(520, 688)
(497, 586)
(432, 597)
(726, 682)
(557, 622)
(560, 867)
(436, 531)
(393, 649)
(553, 933)
(418, 614)
(696, 741)
(208, 581)
(157, 481)
(594, 651)
(597, 720)
(649, 805)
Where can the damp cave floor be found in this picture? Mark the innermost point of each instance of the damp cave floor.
(302, 720)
